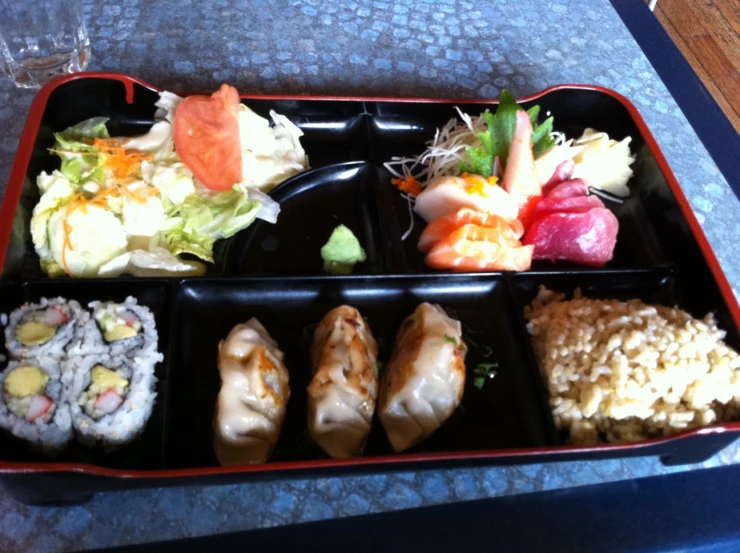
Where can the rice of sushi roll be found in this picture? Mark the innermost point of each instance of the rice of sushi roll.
(110, 397)
(32, 405)
(44, 329)
(116, 329)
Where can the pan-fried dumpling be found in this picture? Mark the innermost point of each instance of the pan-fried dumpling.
(342, 394)
(250, 409)
(425, 378)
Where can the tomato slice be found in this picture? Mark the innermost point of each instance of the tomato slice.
(478, 248)
(206, 132)
(444, 226)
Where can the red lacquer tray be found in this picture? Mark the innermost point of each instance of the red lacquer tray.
(662, 256)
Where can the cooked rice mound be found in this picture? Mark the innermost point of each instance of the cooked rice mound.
(625, 371)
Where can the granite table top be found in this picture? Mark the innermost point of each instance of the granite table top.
(432, 48)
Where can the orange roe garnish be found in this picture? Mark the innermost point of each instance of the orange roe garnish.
(407, 184)
(477, 184)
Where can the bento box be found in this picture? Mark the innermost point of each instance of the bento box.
(274, 272)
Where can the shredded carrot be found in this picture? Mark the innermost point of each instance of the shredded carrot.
(121, 161)
(78, 200)
(407, 184)
(124, 164)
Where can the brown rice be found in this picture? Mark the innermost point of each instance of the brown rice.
(626, 371)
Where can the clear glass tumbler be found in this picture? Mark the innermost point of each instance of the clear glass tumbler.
(41, 39)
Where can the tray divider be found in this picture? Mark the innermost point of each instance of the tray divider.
(533, 365)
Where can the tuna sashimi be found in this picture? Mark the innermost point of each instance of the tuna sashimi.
(520, 177)
(568, 189)
(587, 238)
(549, 163)
(563, 172)
(444, 226)
(579, 204)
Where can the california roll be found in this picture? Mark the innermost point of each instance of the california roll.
(110, 397)
(32, 406)
(44, 329)
(117, 329)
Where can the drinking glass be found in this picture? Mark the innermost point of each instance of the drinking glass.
(41, 39)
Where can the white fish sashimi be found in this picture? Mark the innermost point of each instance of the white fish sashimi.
(445, 195)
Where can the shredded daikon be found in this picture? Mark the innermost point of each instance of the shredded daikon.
(605, 195)
(446, 150)
(444, 153)
(410, 199)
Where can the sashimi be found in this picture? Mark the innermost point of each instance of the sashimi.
(587, 238)
(520, 177)
(568, 189)
(477, 248)
(444, 226)
(578, 204)
(563, 172)
(548, 164)
(445, 195)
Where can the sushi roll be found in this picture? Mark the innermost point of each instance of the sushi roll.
(32, 406)
(116, 329)
(44, 329)
(110, 397)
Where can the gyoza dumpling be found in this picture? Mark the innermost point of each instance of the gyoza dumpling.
(341, 396)
(425, 378)
(250, 409)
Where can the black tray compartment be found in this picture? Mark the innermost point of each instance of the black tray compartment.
(507, 413)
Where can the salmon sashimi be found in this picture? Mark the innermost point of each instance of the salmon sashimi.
(477, 248)
(444, 226)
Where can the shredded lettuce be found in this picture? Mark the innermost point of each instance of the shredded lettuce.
(201, 221)
(81, 161)
(497, 137)
(199, 245)
(90, 128)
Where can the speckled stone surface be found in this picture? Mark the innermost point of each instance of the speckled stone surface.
(450, 48)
